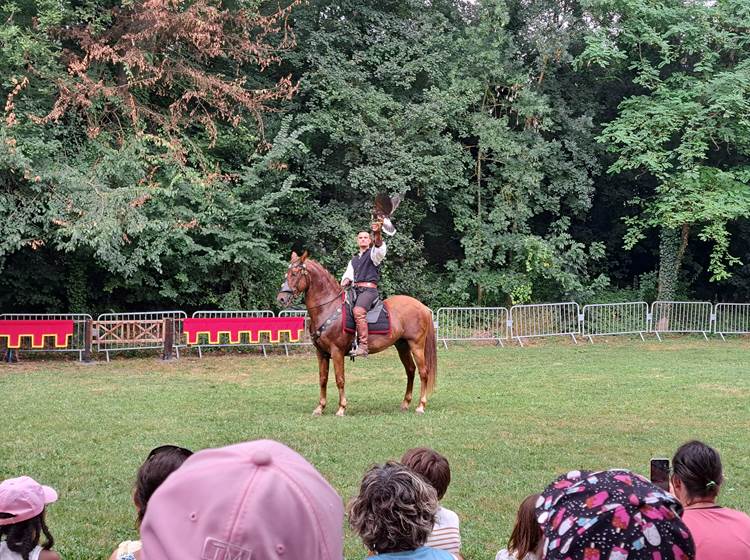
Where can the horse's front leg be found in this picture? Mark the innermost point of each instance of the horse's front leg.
(338, 367)
(324, 362)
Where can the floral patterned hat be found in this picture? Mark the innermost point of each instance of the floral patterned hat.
(611, 515)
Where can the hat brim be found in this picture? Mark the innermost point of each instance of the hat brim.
(50, 495)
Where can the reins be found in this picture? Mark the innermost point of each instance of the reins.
(316, 334)
(326, 302)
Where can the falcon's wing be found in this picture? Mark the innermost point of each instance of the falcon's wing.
(388, 227)
(395, 201)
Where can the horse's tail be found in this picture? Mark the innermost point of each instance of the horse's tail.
(430, 355)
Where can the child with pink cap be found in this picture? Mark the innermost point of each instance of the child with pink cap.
(22, 507)
(251, 501)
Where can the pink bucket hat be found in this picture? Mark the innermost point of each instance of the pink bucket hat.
(23, 498)
(251, 501)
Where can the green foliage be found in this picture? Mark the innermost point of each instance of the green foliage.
(531, 167)
(688, 127)
(669, 264)
(494, 117)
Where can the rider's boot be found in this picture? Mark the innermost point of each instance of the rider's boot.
(360, 318)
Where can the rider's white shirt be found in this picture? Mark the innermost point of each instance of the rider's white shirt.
(376, 256)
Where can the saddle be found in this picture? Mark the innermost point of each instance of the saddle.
(378, 318)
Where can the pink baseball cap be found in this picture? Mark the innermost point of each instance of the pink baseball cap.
(23, 498)
(251, 501)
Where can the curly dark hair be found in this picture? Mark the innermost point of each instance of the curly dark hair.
(23, 537)
(395, 509)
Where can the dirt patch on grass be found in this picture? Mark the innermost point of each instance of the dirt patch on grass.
(724, 389)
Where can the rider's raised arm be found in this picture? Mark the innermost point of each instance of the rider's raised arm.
(377, 254)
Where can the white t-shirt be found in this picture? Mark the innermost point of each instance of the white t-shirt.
(445, 534)
(127, 549)
(505, 555)
(6, 554)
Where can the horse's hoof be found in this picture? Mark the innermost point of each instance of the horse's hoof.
(420, 410)
(340, 412)
(317, 412)
(405, 407)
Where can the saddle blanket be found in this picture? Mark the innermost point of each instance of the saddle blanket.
(378, 319)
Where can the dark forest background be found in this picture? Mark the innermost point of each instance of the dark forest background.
(172, 153)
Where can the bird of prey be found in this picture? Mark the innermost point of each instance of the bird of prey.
(384, 208)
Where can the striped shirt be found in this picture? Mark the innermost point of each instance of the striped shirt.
(445, 534)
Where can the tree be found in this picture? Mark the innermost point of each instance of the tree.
(688, 126)
(114, 145)
(532, 158)
(375, 117)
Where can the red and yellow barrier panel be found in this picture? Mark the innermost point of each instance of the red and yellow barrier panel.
(36, 330)
(235, 327)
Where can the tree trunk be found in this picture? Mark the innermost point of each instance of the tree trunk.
(672, 246)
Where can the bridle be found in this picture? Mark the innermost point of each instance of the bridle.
(286, 289)
(315, 333)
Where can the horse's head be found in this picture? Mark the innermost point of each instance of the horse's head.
(296, 282)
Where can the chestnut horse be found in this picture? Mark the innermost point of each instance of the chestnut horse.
(412, 331)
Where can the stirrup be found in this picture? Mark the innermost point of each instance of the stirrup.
(355, 352)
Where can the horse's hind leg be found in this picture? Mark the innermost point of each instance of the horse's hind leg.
(418, 352)
(323, 366)
(404, 352)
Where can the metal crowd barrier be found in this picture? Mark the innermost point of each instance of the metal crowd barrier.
(80, 342)
(163, 330)
(306, 336)
(731, 318)
(681, 317)
(472, 323)
(603, 319)
(230, 314)
(224, 339)
(544, 319)
(116, 332)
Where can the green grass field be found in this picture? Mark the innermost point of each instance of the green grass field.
(509, 420)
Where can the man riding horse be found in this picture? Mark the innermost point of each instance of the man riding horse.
(363, 271)
(410, 330)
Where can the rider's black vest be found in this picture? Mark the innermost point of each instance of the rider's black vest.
(364, 269)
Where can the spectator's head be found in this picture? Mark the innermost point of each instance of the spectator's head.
(430, 465)
(160, 463)
(395, 509)
(696, 472)
(252, 501)
(526, 535)
(611, 515)
(22, 506)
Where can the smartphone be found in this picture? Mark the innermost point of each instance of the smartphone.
(660, 473)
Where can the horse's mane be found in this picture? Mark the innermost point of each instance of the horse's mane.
(315, 266)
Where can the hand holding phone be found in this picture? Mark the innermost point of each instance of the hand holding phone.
(660, 473)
